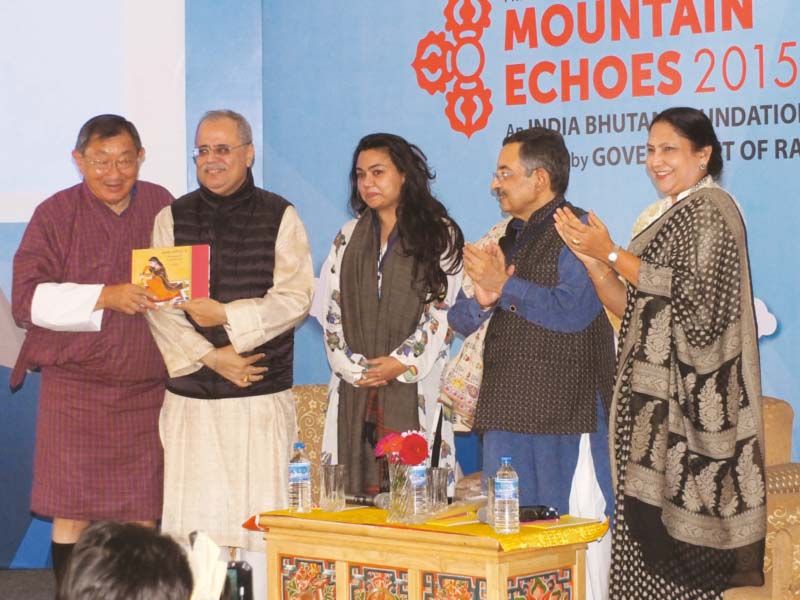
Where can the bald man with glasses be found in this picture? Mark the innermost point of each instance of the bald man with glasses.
(228, 422)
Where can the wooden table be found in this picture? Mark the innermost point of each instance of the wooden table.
(313, 557)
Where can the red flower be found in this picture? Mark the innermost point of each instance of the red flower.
(414, 450)
(409, 448)
(389, 443)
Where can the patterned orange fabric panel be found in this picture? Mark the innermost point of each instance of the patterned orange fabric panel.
(311, 403)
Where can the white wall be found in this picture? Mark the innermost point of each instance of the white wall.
(62, 63)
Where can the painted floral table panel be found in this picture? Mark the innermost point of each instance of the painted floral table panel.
(369, 582)
(446, 586)
(307, 578)
(553, 585)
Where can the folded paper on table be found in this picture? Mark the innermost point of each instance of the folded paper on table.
(562, 521)
(173, 274)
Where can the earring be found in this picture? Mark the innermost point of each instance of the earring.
(702, 166)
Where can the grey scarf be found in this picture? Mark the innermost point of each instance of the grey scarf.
(374, 325)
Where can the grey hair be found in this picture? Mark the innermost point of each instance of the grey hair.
(242, 126)
(104, 127)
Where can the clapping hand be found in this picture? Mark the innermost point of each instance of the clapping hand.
(487, 269)
(589, 241)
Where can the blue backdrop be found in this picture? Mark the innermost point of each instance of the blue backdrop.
(455, 77)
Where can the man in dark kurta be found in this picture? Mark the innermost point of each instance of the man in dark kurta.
(548, 352)
(98, 455)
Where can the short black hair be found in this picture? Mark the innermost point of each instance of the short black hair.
(543, 148)
(695, 126)
(125, 561)
(104, 127)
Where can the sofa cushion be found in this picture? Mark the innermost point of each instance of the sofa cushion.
(778, 416)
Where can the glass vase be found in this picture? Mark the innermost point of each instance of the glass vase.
(407, 504)
(399, 493)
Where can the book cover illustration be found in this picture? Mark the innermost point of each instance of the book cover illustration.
(174, 274)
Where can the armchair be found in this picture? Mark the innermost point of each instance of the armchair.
(782, 558)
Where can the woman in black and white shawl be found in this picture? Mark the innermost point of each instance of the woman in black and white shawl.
(686, 426)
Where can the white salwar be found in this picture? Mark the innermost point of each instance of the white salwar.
(586, 500)
(227, 459)
(425, 352)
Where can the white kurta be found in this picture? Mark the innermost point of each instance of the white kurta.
(225, 460)
(425, 352)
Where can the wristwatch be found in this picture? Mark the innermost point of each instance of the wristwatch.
(613, 255)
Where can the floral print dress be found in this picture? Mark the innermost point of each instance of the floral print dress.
(425, 352)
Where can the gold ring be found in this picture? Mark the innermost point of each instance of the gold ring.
(576, 241)
(246, 379)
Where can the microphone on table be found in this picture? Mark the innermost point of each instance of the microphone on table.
(378, 500)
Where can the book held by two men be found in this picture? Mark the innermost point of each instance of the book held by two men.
(174, 274)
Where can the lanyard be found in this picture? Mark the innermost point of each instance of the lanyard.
(376, 227)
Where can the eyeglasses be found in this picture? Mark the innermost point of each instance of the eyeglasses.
(104, 166)
(503, 175)
(506, 174)
(220, 150)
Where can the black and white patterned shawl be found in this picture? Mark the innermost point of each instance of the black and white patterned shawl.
(686, 426)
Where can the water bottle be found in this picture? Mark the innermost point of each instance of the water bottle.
(299, 480)
(418, 475)
(506, 498)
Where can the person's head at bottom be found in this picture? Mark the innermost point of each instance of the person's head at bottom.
(124, 561)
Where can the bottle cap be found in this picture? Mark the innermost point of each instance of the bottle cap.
(505, 460)
(299, 446)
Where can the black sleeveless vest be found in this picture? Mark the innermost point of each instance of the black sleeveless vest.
(242, 230)
(537, 380)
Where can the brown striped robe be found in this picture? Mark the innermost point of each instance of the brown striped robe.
(98, 455)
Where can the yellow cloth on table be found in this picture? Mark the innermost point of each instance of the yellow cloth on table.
(569, 530)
